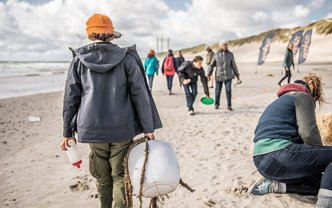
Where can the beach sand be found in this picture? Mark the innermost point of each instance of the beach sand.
(213, 147)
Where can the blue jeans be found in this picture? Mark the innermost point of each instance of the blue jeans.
(228, 86)
(169, 80)
(150, 78)
(304, 168)
(190, 91)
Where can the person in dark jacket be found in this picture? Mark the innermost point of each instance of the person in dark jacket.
(106, 103)
(288, 150)
(226, 70)
(208, 61)
(288, 62)
(169, 68)
(179, 60)
(189, 72)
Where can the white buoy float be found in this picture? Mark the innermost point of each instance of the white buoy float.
(162, 172)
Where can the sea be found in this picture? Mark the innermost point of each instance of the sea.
(26, 78)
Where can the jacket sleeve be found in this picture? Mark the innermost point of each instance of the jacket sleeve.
(285, 58)
(234, 67)
(182, 69)
(72, 97)
(155, 64)
(306, 120)
(139, 95)
(209, 57)
(213, 65)
(162, 66)
(204, 81)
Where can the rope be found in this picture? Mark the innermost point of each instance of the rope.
(128, 187)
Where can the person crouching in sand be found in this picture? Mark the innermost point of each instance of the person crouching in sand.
(288, 149)
(189, 72)
(107, 103)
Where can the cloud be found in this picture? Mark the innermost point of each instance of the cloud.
(301, 11)
(260, 16)
(316, 4)
(44, 31)
(329, 15)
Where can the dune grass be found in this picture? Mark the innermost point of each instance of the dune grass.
(321, 27)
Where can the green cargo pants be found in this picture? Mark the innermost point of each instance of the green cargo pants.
(106, 165)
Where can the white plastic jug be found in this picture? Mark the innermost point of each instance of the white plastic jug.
(162, 172)
(73, 154)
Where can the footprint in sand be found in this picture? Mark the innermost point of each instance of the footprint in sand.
(81, 184)
(210, 203)
(214, 180)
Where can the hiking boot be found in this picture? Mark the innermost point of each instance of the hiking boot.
(216, 107)
(170, 92)
(266, 186)
(230, 108)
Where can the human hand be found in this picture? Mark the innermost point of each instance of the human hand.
(186, 81)
(64, 144)
(149, 136)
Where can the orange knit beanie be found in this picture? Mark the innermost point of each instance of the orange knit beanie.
(99, 24)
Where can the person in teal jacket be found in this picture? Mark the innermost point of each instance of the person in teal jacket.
(151, 65)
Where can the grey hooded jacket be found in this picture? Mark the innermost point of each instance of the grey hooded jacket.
(226, 68)
(106, 95)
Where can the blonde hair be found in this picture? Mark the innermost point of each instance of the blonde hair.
(316, 87)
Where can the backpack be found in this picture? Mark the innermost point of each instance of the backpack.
(169, 64)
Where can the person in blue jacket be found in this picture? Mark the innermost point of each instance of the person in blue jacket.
(151, 65)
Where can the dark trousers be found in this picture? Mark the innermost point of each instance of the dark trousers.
(304, 168)
(150, 79)
(288, 74)
(169, 80)
(190, 91)
(228, 86)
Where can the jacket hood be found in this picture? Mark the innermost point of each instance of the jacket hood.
(292, 87)
(102, 56)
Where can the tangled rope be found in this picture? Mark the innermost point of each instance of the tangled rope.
(129, 188)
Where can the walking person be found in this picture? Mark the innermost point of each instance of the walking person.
(107, 103)
(288, 62)
(189, 72)
(169, 68)
(179, 60)
(288, 149)
(208, 60)
(151, 67)
(225, 71)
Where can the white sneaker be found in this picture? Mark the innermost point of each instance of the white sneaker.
(191, 112)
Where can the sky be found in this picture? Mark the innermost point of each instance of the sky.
(42, 30)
